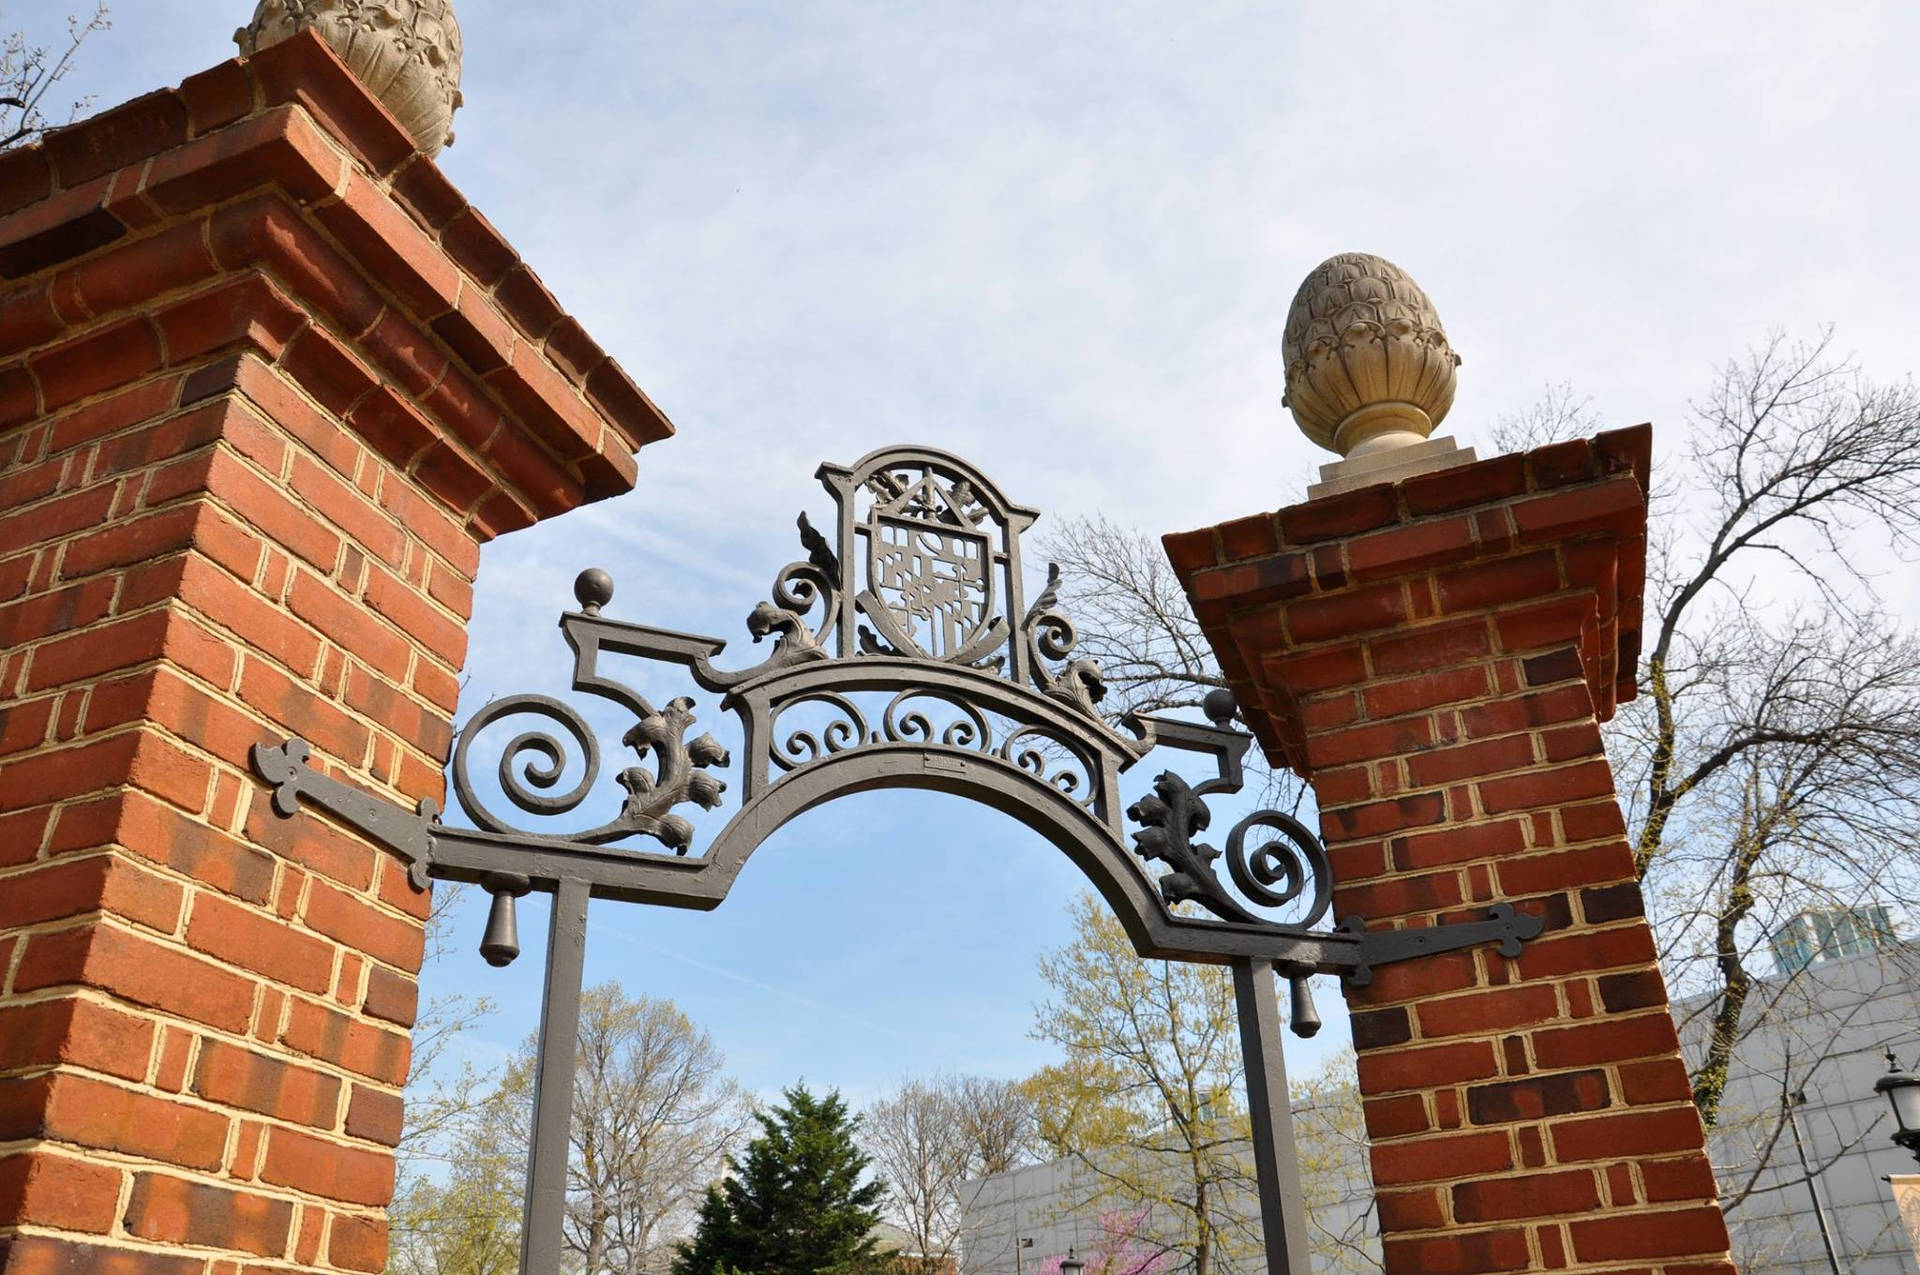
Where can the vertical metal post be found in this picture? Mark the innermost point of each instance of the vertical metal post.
(1787, 1103)
(546, 1207)
(1283, 1215)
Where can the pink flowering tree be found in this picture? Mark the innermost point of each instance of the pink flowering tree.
(1116, 1249)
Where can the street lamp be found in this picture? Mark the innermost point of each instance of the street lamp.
(1071, 1265)
(1903, 1091)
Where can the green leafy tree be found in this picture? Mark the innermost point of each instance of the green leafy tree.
(796, 1205)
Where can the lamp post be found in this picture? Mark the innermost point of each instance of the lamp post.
(1071, 1265)
(1903, 1091)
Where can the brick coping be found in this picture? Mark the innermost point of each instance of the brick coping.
(1350, 547)
(331, 180)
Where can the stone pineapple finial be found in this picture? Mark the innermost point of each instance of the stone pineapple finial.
(407, 52)
(1369, 372)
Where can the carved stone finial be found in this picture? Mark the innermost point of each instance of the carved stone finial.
(1368, 364)
(407, 52)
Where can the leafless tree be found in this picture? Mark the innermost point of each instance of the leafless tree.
(920, 1150)
(29, 70)
(928, 1138)
(654, 1114)
(1771, 765)
(997, 1119)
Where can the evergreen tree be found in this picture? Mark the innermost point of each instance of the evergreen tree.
(796, 1205)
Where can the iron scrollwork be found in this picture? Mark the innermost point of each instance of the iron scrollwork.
(904, 653)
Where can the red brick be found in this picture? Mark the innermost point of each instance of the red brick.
(1556, 787)
(364, 928)
(1470, 761)
(337, 1038)
(1655, 1081)
(1530, 1195)
(278, 147)
(229, 1076)
(260, 943)
(1607, 1040)
(1478, 1251)
(267, 230)
(427, 194)
(348, 624)
(1432, 646)
(1490, 1010)
(105, 1117)
(1499, 583)
(44, 1255)
(77, 1033)
(328, 1168)
(1344, 614)
(1410, 1210)
(1465, 485)
(357, 1243)
(1668, 1181)
(73, 887)
(1458, 844)
(388, 242)
(59, 1192)
(295, 708)
(1680, 1233)
(54, 228)
(267, 508)
(1425, 1067)
(1396, 1117)
(370, 528)
(527, 302)
(1538, 1097)
(1527, 712)
(176, 1211)
(137, 970)
(1591, 823)
(1564, 869)
(1437, 1159)
(1586, 953)
(216, 97)
(392, 996)
(1406, 550)
(167, 837)
(626, 406)
(136, 272)
(445, 637)
(374, 1116)
(246, 311)
(1616, 504)
(1628, 1134)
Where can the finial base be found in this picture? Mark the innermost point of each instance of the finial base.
(1389, 465)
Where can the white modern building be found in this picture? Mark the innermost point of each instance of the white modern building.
(1801, 1091)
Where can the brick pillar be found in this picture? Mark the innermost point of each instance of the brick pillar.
(267, 383)
(1437, 656)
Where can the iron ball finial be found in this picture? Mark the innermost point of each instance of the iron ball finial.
(1219, 706)
(594, 588)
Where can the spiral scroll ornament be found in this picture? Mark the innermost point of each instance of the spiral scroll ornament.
(1271, 875)
(534, 761)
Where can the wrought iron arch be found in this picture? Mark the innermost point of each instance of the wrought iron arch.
(904, 655)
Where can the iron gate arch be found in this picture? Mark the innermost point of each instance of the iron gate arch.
(910, 634)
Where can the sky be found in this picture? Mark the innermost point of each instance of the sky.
(1061, 239)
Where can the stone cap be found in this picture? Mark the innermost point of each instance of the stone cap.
(359, 230)
(1286, 599)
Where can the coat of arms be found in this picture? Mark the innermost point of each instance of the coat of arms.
(930, 565)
